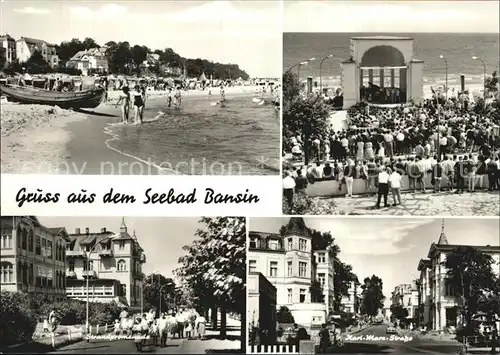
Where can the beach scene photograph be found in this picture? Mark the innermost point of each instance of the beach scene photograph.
(140, 88)
(391, 109)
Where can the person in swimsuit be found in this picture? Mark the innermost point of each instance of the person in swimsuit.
(222, 94)
(144, 96)
(178, 97)
(138, 104)
(170, 96)
(125, 101)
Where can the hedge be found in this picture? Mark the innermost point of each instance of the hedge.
(17, 321)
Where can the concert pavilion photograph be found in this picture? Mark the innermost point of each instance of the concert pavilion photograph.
(396, 120)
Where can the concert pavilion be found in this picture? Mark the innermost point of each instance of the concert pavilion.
(381, 70)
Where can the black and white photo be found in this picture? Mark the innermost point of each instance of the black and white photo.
(140, 88)
(400, 92)
(373, 285)
(122, 285)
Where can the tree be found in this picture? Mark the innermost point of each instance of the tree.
(139, 55)
(373, 298)
(284, 316)
(214, 269)
(153, 284)
(13, 67)
(89, 43)
(307, 117)
(491, 83)
(470, 275)
(399, 312)
(291, 89)
(36, 64)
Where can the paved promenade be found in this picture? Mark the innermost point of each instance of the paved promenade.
(479, 203)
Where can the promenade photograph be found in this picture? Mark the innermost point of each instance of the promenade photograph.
(128, 88)
(387, 113)
(373, 285)
(95, 285)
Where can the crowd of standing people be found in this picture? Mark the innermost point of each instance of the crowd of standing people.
(449, 145)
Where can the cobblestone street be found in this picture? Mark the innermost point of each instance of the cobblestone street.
(479, 203)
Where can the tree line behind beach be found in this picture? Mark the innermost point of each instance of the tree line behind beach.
(124, 58)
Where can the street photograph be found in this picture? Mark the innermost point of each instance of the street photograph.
(373, 286)
(94, 285)
(387, 113)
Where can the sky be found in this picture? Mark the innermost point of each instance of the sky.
(161, 238)
(391, 247)
(247, 33)
(392, 16)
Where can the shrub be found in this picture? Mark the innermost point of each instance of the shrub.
(17, 321)
(72, 312)
(284, 315)
(305, 205)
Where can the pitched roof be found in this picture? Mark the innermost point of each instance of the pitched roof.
(6, 37)
(296, 225)
(442, 238)
(35, 41)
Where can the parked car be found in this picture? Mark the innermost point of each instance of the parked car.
(391, 330)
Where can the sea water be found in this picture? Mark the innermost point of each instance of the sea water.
(457, 48)
(200, 138)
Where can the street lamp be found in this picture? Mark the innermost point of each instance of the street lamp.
(87, 280)
(305, 62)
(446, 75)
(320, 65)
(484, 77)
(161, 298)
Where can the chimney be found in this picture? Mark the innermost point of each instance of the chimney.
(77, 230)
(103, 230)
(87, 230)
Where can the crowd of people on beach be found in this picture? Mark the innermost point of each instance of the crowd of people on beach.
(443, 140)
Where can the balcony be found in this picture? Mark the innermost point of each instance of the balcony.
(106, 253)
(89, 273)
(76, 254)
(71, 275)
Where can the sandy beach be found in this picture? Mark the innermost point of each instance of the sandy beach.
(34, 137)
(40, 139)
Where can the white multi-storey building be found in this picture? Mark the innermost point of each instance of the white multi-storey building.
(438, 304)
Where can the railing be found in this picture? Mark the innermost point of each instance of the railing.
(89, 273)
(273, 349)
(106, 252)
(76, 253)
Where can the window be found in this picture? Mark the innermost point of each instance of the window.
(121, 265)
(302, 295)
(6, 241)
(290, 268)
(121, 245)
(253, 243)
(321, 258)
(252, 265)
(49, 249)
(290, 243)
(38, 246)
(88, 265)
(449, 290)
(273, 269)
(290, 295)
(302, 244)
(387, 77)
(273, 244)
(7, 272)
(24, 239)
(321, 279)
(302, 269)
(71, 265)
(123, 290)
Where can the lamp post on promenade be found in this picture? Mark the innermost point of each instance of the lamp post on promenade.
(87, 262)
(484, 78)
(305, 62)
(446, 76)
(320, 65)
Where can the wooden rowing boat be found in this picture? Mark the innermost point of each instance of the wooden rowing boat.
(75, 100)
